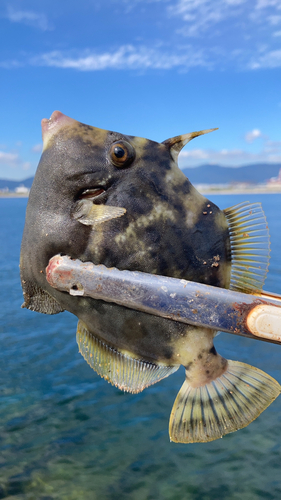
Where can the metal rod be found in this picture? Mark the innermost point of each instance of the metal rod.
(176, 299)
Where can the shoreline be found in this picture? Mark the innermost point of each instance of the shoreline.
(210, 191)
(241, 191)
(13, 195)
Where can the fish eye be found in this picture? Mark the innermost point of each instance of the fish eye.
(122, 154)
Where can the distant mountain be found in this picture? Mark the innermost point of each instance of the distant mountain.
(12, 185)
(215, 174)
(206, 174)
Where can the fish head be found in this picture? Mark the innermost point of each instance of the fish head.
(121, 201)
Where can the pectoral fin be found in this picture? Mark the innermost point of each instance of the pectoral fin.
(86, 212)
(224, 405)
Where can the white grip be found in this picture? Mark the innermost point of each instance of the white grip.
(265, 321)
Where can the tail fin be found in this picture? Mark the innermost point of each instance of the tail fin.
(224, 405)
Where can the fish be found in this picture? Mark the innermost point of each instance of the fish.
(122, 201)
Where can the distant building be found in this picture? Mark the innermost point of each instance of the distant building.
(21, 190)
(275, 180)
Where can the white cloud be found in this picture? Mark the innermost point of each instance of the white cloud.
(10, 159)
(270, 59)
(195, 154)
(13, 162)
(273, 147)
(263, 4)
(13, 63)
(233, 158)
(251, 136)
(236, 34)
(243, 33)
(37, 148)
(30, 18)
(270, 153)
(159, 57)
(125, 57)
(199, 15)
(274, 20)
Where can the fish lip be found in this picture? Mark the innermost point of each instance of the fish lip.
(49, 123)
(99, 197)
(54, 117)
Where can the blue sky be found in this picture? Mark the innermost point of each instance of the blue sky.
(153, 68)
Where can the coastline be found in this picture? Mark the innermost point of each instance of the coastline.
(208, 191)
(253, 190)
(13, 195)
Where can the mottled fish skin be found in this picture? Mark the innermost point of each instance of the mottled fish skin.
(122, 201)
(168, 229)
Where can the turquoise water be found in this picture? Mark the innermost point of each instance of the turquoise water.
(67, 434)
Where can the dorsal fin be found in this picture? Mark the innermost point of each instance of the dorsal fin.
(122, 370)
(177, 143)
(250, 247)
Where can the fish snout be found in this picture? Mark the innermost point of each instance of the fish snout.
(52, 125)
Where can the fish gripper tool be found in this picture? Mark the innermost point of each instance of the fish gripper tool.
(255, 316)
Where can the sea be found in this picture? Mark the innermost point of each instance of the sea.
(66, 434)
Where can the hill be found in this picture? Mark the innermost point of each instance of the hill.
(206, 174)
(215, 174)
(12, 185)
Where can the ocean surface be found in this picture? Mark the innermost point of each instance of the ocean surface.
(67, 434)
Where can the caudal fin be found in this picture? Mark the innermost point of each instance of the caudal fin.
(224, 405)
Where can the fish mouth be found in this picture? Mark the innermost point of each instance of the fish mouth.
(94, 193)
(52, 125)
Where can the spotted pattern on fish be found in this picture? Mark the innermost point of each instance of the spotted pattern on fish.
(119, 200)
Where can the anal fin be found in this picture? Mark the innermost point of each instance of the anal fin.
(122, 370)
(224, 405)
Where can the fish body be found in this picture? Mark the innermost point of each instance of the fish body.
(122, 201)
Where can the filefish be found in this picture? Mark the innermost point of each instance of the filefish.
(122, 201)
